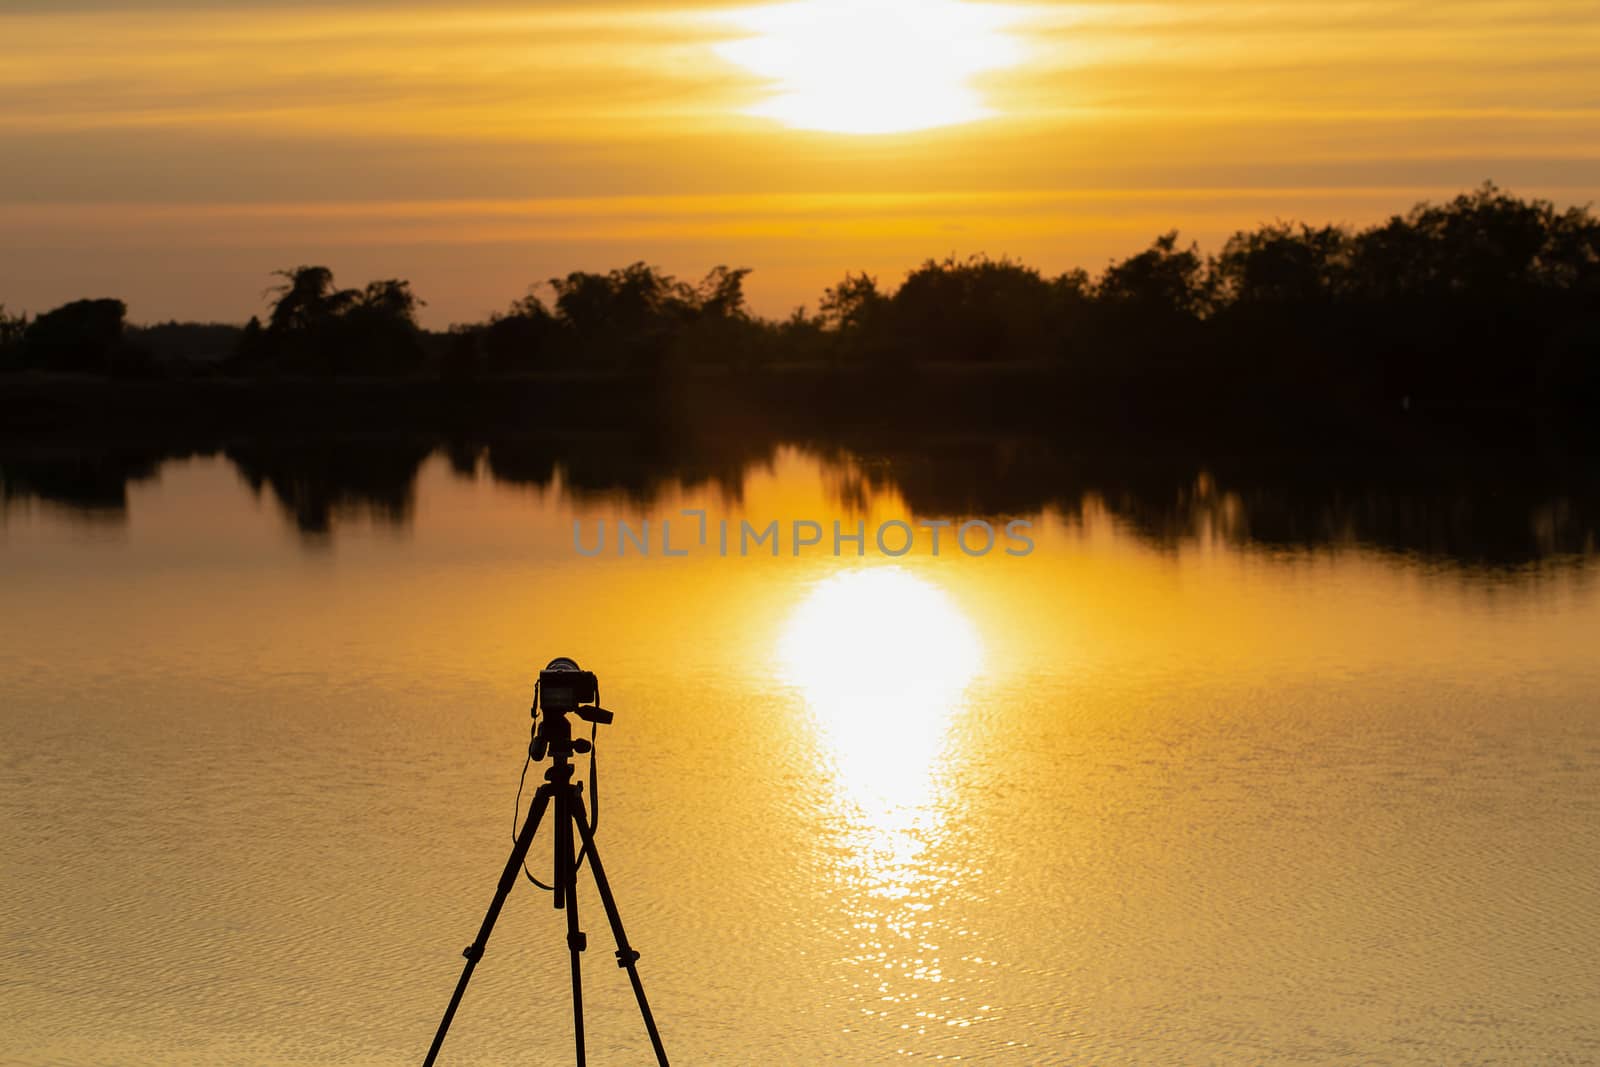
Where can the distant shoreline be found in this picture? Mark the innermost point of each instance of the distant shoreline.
(1478, 310)
(846, 405)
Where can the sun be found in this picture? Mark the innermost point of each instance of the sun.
(873, 66)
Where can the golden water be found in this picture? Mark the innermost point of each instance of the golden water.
(1114, 802)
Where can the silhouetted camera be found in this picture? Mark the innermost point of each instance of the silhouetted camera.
(563, 687)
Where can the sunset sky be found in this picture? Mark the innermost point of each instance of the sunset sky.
(174, 152)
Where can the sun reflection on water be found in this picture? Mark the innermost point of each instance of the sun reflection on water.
(883, 658)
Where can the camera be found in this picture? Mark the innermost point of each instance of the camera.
(564, 687)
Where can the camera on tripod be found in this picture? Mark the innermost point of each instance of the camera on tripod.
(565, 687)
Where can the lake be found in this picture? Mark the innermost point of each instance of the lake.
(1224, 768)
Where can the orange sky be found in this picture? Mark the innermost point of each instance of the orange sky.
(176, 154)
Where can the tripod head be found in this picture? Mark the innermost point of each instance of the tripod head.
(564, 689)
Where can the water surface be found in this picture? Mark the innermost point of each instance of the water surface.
(1215, 774)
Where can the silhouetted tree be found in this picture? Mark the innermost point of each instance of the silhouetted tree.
(624, 318)
(638, 297)
(314, 326)
(1460, 297)
(378, 331)
(720, 295)
(1484, 245)
(854, 311)
(714, 326)
(1569, 268)
(12, 329)
(1148, 310)
(852, 303)
(1282, 266)
(1163, 281)
(801, 338)
(307, 299)
(974, 310)
(85, 335)
(524, 338)
(1277, 319)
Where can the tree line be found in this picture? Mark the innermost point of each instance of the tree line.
(1487, 299)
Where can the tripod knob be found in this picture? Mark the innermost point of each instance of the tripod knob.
(580, 744)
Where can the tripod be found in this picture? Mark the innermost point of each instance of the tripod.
(553, 733)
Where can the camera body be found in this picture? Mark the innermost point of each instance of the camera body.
(563, 686)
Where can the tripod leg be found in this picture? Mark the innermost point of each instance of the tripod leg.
(626, 956)
(474, 951)
(567, 895)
